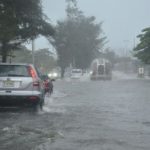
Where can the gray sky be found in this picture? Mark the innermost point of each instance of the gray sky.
(122, 20)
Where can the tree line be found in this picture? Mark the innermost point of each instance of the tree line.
(142, 49)
(43, 58)
(21, 21)
(78, 39)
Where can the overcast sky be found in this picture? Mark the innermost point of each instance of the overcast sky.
(122, 20)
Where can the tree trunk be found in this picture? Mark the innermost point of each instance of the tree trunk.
(4, 52)
(4, 58)
(62, 72)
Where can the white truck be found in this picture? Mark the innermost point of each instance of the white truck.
(76, 73)
(101, 70)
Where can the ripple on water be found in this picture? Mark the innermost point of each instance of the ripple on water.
(51, 106)
(21, 134)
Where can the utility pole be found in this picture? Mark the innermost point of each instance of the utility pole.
(126, 42)
(33, 48)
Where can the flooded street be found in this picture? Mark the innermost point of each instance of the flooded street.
(84, 69)
(86, 115)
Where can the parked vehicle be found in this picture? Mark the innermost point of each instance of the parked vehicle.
(101, 70)
(21, 84)
(76, 73)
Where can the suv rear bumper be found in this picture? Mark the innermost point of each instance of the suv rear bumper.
(19, 100)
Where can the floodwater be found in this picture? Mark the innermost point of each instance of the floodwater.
(83, 115)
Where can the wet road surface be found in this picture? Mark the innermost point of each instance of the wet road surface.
(87, 115)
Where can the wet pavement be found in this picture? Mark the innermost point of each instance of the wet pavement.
(86, 115)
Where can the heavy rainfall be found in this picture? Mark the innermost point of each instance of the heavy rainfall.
(74, 75)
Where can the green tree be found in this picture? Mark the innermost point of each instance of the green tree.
(78, 38)
(45, 60)
(21, 21)
(142, 50)
(22, 56)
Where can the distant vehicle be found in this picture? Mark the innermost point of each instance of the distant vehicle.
(54, 74)
(21, 84)
(76, 73)
(101, 70)
(141, 72)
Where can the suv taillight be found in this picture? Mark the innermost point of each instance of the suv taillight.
(32, 72)
(34, 76)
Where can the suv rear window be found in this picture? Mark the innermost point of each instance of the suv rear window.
(13, 70)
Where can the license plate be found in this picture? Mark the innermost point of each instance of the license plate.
(9, 84)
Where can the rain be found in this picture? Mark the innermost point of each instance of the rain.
(96, 55)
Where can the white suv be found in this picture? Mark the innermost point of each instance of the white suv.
(76, 73)
(20, 84)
